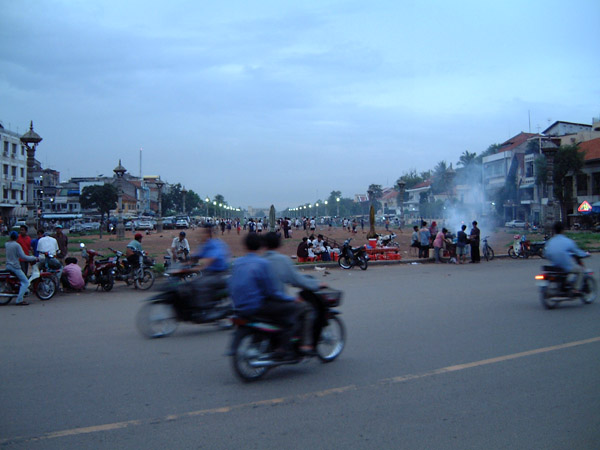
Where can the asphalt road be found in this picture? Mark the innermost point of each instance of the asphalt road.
(438, 357)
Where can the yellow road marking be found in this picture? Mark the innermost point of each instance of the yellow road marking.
(299, 397)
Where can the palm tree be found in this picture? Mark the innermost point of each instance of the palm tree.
(466, 158)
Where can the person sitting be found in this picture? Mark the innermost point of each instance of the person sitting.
(72, 278)
(254, 292)
(302, 251)
(180, 247)
(561, 250)
(134, 248)
(311, 253)
(285, 273)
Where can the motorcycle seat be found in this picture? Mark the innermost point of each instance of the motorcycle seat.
(552, 269)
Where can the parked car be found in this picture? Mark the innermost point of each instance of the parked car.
(144, 225)
(182, 223)
(515, 224)
(129, 225)
(168, 222)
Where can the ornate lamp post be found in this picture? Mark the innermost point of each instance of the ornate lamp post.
(401, 188)
(119, 172)
(549, 152)
(30, 140)
(184, 192)
(159, 223)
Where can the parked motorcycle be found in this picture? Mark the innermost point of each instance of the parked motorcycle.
(255, 338)
(141, 276)
(352, 256)
(41, 283)
(97, 272)
(160, 315)
(556, 286)
(387, 240)
(522, 248)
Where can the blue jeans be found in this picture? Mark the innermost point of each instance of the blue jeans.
(24, 282)
(436, 252)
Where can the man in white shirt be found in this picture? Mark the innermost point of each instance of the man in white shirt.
(180, 247)
(48, 245)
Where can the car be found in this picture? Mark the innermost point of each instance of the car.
(129, 225)
(182, 223)
(515, 224)
(144, 225)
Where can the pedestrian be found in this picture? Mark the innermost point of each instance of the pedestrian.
(414, 242)
(25, 242)
(424, 235)
(438, 244)
(461, 245)
(14, 253)
(474, 236)
(63, 242)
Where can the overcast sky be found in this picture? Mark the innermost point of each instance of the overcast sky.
(284, 101)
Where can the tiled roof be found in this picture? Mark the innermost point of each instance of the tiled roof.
(515, 141)
(591, 149)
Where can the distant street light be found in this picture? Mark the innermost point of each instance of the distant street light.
(206, 202)
(338, 206)
(159, 223)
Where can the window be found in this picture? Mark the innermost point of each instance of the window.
(22, 172)
(13, 194)
(582, 184)
(22, 150)
(596, 183)
(14, 149)
(5, 193)
(5, 169)
(6, 147)
(13, 170)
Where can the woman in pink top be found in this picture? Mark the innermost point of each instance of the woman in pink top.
(438, 243)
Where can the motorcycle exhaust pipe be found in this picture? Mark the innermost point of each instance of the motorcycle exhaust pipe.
(7, 295)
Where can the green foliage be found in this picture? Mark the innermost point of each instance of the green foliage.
(100, 197)
(467, 158)
(172, 201)
(375, 192)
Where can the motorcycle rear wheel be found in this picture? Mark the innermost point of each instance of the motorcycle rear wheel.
(332, 340)
(590, 290)
(362, 263)
(344, 262)
(45, 289)
(5, 288)
(146, 281)
(156, 320)
(512, 254)
(547, 300)
(108, 283)
(250, 347)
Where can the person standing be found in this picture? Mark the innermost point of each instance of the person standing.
(63, 242)
(438, 244)
(461, 245)
(14, 253)
(424, 238)
(474, 236)
(414, 242)
(25, 242)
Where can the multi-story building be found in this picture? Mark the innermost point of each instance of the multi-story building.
(13, 176)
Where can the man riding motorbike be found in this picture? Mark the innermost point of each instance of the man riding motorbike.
(560, 250)
(285, 273)
(252, 287)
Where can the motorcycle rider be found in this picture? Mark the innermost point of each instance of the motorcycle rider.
(560, 250)
(253, 290)
(180, 247)
(285, 273)
(133, 248)
(14, 252)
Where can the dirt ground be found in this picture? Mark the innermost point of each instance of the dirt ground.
(156, 244)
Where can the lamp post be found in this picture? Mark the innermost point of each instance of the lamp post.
(316, 210)
(119, 172)
(206, 202)
(159, 223)
(184, 192)
(401, 188)
(30, 140)
(338, 207)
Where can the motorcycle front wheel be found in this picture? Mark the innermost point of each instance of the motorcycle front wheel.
(45, 288)
(344, 262)
(250, 347)
(5, 288)
(145, 281)
(156, 320)
(362, 263)
(512, 254)
(332, 340)
(590, 290)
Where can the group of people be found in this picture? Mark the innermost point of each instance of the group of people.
(313, 249)
(52, 250)
(424, 238)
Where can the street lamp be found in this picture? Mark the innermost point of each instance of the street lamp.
(401, 188)
(119, 172)
(338, 207)
(316, 210)
(549, 152)
(30, 140)
(214, 208)
(159, 223)
(183, 192)
(206, 202)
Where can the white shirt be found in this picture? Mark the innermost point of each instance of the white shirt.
(180, 245)
(47, 244)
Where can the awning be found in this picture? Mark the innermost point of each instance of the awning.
(62, 216)
(18, 211)
(527, 186)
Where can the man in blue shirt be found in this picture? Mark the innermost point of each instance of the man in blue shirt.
(214, 252)
(254, 292)
(560, 251)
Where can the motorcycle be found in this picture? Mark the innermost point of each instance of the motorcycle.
(142, 276)
(41, 283)
(97, 272)
(522, 248)
(387, 240)
(160, 315)
(556, 287)
(352, 256)
(255, 338)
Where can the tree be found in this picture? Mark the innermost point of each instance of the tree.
(466, 159)
(100, 197)
(172, 201)
(440, 181)
(375, 192)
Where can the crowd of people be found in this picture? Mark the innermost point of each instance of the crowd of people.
(430, 237)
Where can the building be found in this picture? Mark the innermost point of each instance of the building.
(13, 177)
